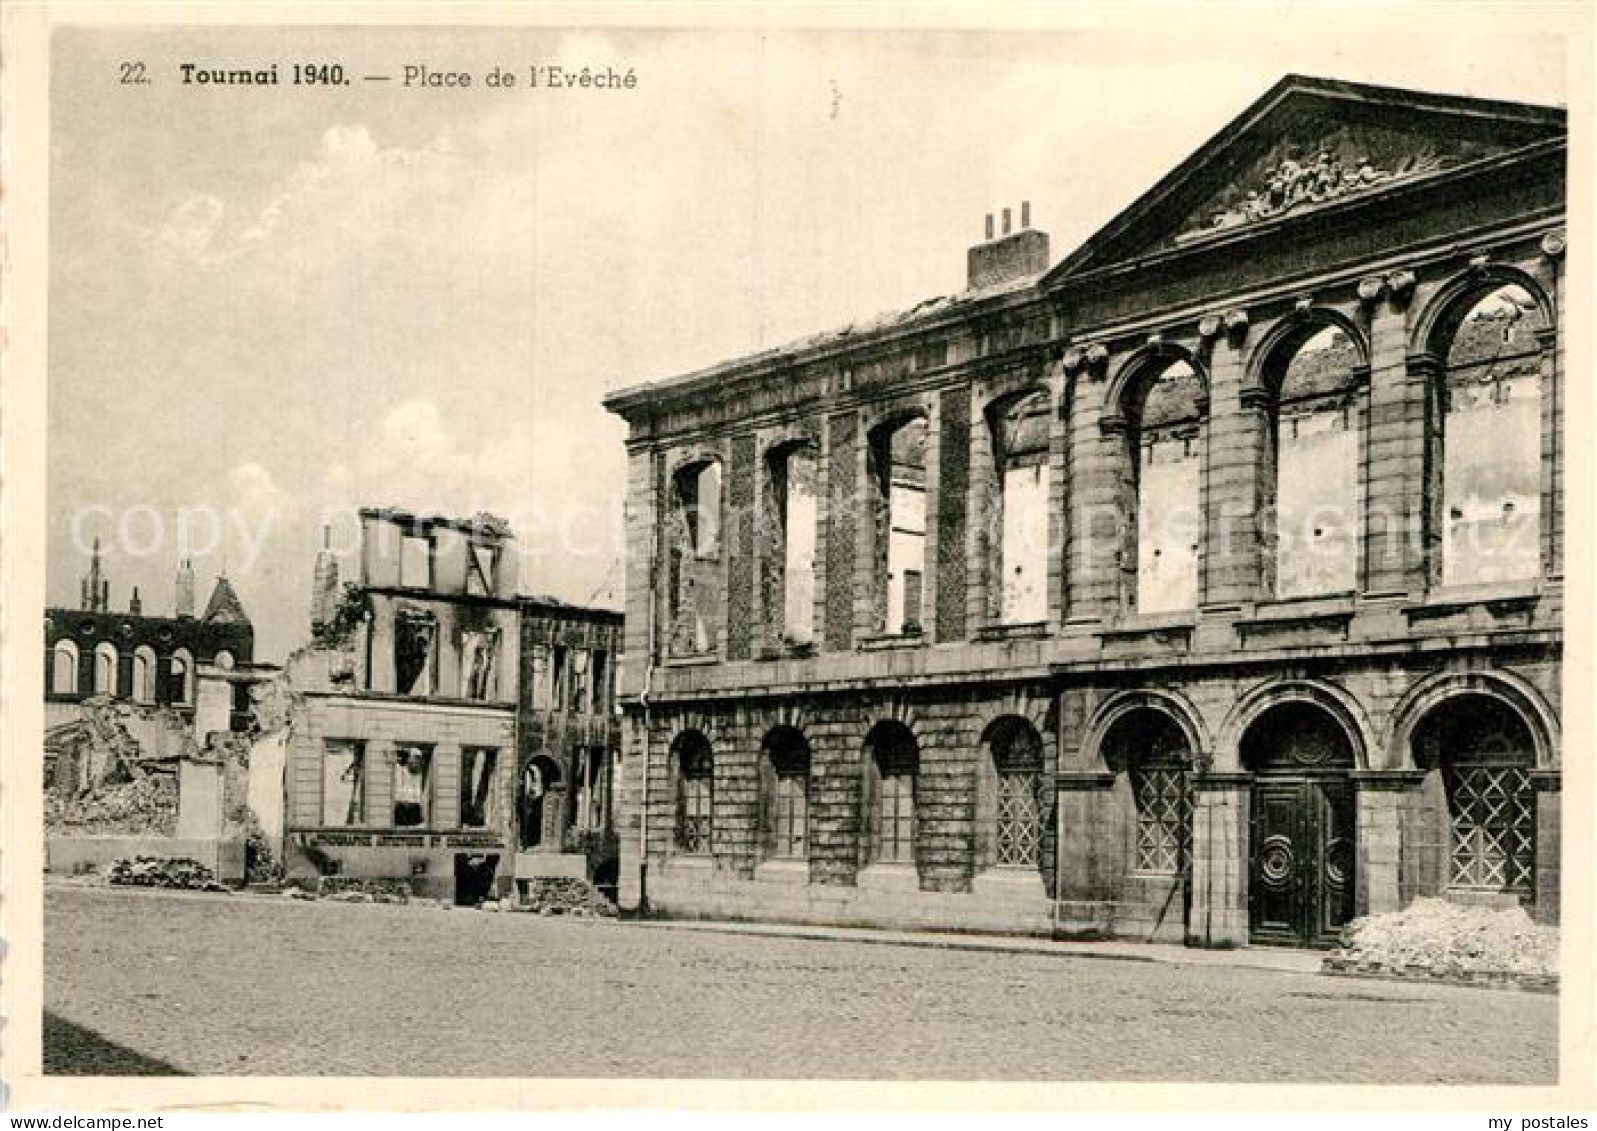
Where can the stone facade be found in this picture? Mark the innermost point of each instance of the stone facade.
(1247, 765)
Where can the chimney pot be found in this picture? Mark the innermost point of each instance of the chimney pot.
(989, 225)
(1025, 214)
(1006, 221)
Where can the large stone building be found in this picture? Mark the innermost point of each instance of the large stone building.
(1205, 584)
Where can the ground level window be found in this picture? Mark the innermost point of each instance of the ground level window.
(476, 787)
(790, 816)
(1019, 818)
(695, 794)
(412, 771)
(1493, 817)
(1164, 818)
(343, 784)
(895, 819)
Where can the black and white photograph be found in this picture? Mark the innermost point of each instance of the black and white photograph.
(732, 549)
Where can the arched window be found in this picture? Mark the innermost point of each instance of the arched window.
(1164, 432)
(1311, 487)
(1018, 818)
(694, 540)
(105, 665)
(1018, 559)
(1154, 753)
(144, 674)
(897, 464)
(1485, 753)
(1491, 443)
(64, 668)
(181, 688)
(695, 773)
(785, 787)
(892, 769)
(791, 553)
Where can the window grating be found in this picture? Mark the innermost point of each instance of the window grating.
(1494, 827)
(895, 820)
(1019, 818)
(791, 816)
(1164, 818)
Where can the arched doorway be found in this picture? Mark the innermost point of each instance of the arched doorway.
(1301, 857)
(1151, 757)
(537, 809)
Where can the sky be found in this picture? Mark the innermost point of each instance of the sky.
(270, 305)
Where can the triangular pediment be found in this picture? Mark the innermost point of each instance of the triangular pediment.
(1306, 146)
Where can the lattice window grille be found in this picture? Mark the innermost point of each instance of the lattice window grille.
(791, 816)
(1019, 818)
(1164, 818)
(895, 825)
(694, 824)
(1494, 828)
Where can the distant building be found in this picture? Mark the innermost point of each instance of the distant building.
(1205, 584)
(145, 659)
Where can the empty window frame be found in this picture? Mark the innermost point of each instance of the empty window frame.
(416, 559)
(1492, 442)
(898, 481)
(413, 765)
(64, 668)
(478, 787)
(343, 784)
(791, 552)
(1166, 452)
(482, 568)
(1018, 561)
(695, 586)
(1312, 488)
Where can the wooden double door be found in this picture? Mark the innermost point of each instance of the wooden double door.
(1301, 870)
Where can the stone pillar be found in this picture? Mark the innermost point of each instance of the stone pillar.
(1549, 840)
(445, 786)
(1220, 814)
(1379, 841)
(1084, 889)
(1401, 392)
(1230, 570)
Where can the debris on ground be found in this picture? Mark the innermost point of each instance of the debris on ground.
(565, 895)
(165, 872)
(1436, 938)
(361, 889)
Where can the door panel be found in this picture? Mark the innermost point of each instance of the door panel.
(1334, 905)
(1276, 891)
(1300, 890)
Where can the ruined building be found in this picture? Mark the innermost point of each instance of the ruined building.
(447, 731)
(145, 659)
(1203, 584)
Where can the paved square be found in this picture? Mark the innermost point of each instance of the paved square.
(157, 982)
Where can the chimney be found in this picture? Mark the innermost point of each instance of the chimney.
(1011, 255)
(135, 606)
(183, 604)
(324, 583)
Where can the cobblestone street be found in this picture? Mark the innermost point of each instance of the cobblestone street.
(153, 982)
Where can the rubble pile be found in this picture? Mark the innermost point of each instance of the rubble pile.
(144, 807)
(564, 895)
(362, 889)
(164, 872)
(1447, 940)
